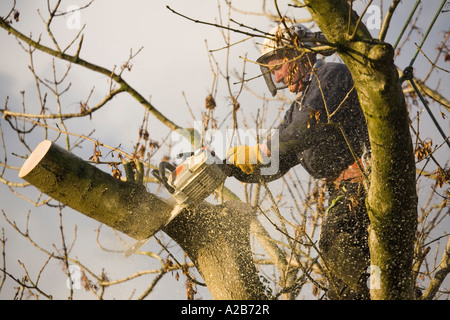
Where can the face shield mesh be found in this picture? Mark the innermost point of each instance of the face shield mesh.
(278, 58)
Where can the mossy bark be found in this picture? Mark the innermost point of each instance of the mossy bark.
(216, 238)
(392, 198)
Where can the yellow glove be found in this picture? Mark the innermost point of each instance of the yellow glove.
(247, 158)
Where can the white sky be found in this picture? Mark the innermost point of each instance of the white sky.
(174, 60)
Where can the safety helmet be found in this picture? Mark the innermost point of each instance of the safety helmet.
(283, 44)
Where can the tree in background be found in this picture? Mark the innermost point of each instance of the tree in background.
(283, 217)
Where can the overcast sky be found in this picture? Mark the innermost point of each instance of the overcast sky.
(174, 60)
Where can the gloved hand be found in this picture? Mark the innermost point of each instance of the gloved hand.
(248, 158)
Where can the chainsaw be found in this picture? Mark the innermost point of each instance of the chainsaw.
(189, 183)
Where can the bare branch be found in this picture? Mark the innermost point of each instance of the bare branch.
(75, 59)
(387, 20)
(440, 274)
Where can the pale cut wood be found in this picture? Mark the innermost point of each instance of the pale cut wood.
(35, 157)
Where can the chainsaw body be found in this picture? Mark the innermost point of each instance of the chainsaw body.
(196, 178)
(189, 183)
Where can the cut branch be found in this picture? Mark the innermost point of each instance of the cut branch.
(123, 206)
(216, 238)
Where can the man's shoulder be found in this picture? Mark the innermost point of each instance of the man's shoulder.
(333, 74)
(335, 82)
(332, 68)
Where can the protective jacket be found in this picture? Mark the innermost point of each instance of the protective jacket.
(318, 130)
(320, 125)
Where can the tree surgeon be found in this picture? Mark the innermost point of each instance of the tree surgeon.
(324, 130)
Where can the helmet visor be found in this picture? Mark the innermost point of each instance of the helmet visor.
(280, 68)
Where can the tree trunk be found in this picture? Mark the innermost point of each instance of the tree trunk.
(392, 198)
(216, 238)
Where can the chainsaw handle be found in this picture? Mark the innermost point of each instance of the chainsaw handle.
(229, 169)
(232, 170)
(185, 155)
(161, 174)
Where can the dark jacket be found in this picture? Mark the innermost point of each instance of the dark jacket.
(307, 137)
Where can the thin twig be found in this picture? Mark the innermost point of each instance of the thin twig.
(387, 20)
(74, 59)
(263, 35)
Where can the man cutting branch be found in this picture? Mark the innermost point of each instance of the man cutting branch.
(324, 130)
